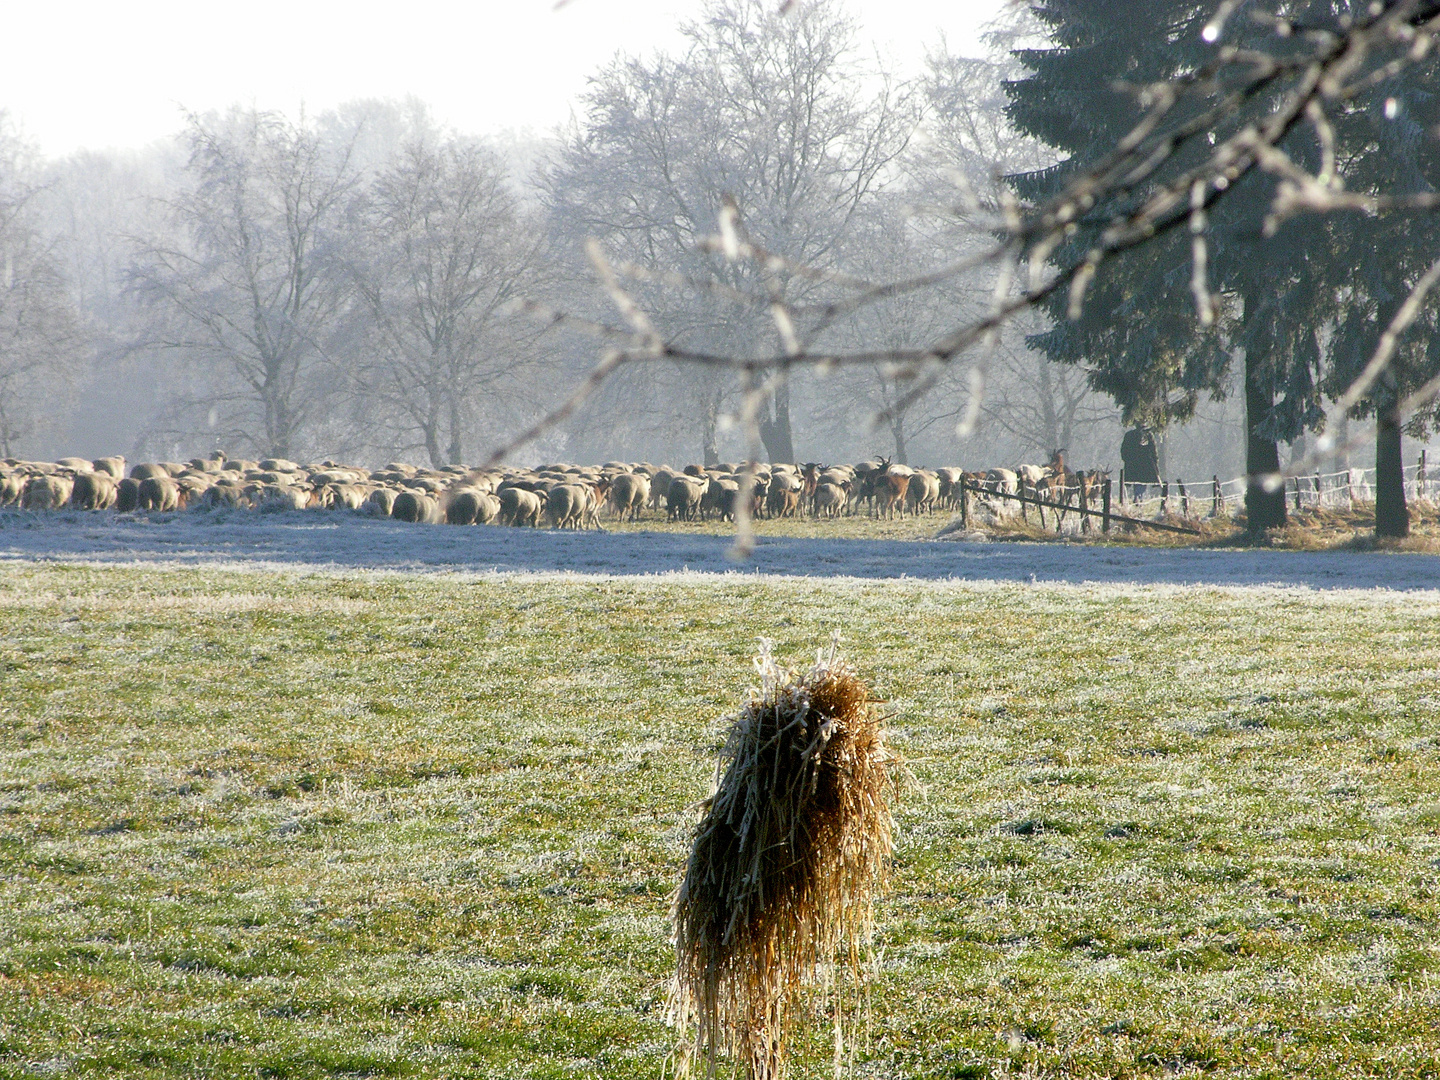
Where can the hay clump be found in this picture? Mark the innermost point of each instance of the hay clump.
(788, 856)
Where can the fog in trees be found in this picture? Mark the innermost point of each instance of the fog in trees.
(348, 284)
(440, 251)
(248, 287)
(763, 108)
(42, 336)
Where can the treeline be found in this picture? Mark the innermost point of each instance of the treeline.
(347, 285)
(342, 284)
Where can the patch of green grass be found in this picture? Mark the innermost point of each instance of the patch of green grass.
(347, 825)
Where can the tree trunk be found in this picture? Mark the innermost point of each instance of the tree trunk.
(431, 427)
(708, 450)
(1048, 420)
(1392, 516)
(1263, 509)
(897, 429)
(775, 431)
(454, 452)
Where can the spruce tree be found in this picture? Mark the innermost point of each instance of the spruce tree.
(1383, 258)
(1279, 297)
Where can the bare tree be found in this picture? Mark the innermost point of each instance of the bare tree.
(1042, 405)
(969, 144)
(887, 241)
(762, 112)
(41, 335)
(440, 253)
(94, 203)
(250, 287)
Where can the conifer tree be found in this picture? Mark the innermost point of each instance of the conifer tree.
(1279, 295)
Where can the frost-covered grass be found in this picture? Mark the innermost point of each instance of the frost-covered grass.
(289, 824)
(1309, 529)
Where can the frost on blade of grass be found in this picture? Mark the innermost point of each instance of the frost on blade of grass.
(290, 822)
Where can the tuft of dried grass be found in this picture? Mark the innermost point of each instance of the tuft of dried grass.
(787, 859)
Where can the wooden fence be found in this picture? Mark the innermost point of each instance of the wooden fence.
(1105, 514)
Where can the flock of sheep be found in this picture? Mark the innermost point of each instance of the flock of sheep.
(561, 496)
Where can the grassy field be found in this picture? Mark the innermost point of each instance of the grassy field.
(292, 826)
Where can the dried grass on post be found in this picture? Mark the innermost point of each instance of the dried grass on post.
(788, 856)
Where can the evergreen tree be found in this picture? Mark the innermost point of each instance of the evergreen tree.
(1383, 258)
(1278, 297)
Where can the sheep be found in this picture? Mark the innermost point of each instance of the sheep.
(46, 491)
(160, 493)
(463, 506)
(950, 480)
(719, 498)
(660, 487)
(629, 492)
(348, 496)
(564, 503)
(12, 484)
(520, 507)
(829, 500)
(127, 495)
(282, 497)
(594, 497)
(380, 502)
(1031, 475)
(782, 498)
(683, 498)
(1002, 481)
(224, 496)
(487, 509)
(93, 491)
(923, 491)
(416, 507)
(147, 470)
(114, 466)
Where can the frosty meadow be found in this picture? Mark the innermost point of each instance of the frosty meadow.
(311, 820)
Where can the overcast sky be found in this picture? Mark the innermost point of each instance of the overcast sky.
(80, 73)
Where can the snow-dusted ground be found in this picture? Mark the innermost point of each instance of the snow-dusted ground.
(344, 541)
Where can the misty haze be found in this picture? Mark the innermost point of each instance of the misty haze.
(150, 345)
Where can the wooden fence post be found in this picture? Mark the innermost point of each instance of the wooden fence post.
(1420, 477)
(1084, 505)
(1164, 498)
(964, 506)
(1122, 486)
(1319, 499)
(1297, 494)
(1105, 506)
(1024, 506)
(1217, 496)
(1184, 499)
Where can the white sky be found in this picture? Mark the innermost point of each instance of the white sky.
(80, 73)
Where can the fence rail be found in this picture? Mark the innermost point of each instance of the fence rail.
(1207, 500)
(1220, 498)
(1105, 513)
